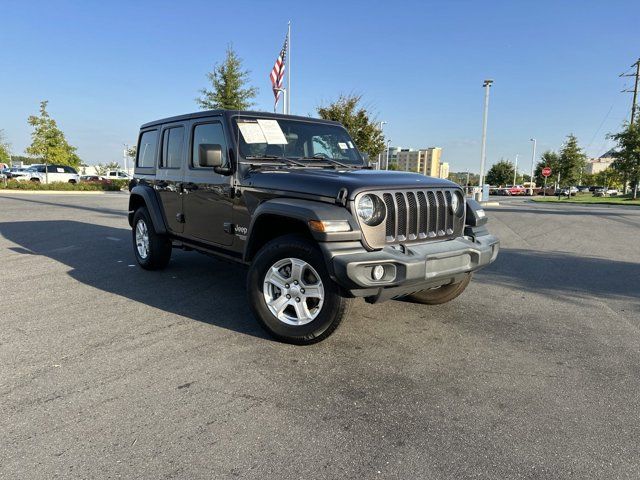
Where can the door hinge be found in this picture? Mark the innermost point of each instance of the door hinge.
(342, 196)
(229, 227)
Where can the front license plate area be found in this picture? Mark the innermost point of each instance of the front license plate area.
(439, 266)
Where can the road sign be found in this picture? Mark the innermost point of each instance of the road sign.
(546, 172)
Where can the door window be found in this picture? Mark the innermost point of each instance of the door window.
(147, 149)
(172, 145)
(210, 133)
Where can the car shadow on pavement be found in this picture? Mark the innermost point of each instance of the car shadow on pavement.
(564, 275)
(194, 286)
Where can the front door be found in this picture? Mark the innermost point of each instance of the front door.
(206, 195)
(169, 175)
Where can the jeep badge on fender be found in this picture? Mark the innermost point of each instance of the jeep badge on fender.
(293, 198)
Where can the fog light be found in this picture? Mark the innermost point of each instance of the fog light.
(377, 272)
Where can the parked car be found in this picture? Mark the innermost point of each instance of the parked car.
(567, 191)
(293, 198)
(94, 179)
(548, 191)
(516, 190)
(50, 173)
(606, 192)
(15, 172)
(583, 189)
(593, 188)
(118, 175)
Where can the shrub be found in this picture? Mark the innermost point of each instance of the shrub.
(114, 186)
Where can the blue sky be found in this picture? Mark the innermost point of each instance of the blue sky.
(107, 67)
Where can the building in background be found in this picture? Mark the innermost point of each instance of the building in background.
(600, 164)
(444, 170)
(393, 156)
(425, 161)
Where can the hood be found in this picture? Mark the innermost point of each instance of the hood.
(327, 183)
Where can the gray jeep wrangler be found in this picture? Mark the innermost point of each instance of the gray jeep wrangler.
(292, 198)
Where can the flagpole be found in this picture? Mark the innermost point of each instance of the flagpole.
(289, 69)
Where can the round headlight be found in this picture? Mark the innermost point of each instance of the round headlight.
(456, 203)
(370, 209)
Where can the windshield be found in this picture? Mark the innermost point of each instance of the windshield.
(295, 139)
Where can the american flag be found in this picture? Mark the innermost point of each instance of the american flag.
(277, 74)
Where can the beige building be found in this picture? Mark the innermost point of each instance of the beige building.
(444, 170)
(597, 165)
(425, 161)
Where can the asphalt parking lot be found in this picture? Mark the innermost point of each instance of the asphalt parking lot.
(109, 371)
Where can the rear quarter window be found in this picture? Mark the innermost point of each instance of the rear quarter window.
(147, 149)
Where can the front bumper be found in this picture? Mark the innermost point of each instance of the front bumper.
(407, 269)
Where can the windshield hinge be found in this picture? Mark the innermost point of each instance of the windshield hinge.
(341, 198)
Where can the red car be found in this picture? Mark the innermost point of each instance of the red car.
(516, 190)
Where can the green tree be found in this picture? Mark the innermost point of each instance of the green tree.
(627, 154)
(48, 142)
(131, 152)
(5, 149)
(571, 162)
(610, 177)
(103, 168)
(228, 82)
(547, 159)
(500, 173)
(359, 122)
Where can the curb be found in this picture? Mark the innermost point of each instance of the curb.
(59, 192)
(490, 204)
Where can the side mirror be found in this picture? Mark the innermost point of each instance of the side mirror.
(210, 155)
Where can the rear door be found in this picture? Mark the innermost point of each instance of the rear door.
(207, 195)
(170, 173)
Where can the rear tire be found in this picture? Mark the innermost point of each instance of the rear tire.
(437, 296)
(291, 293)
(152, 250)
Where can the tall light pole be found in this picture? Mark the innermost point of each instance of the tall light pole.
(515, 171)
(386, 167)
(533, 161)
(483, 156)
(380, 155)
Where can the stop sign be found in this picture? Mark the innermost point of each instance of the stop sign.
(546, 172)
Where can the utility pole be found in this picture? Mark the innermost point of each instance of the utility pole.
(515, 171)
(386, 167)
(533, 162)
(635, 88)
(380, 155)
(483, 155)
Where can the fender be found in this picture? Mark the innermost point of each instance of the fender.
(150, 200)
(304, 211)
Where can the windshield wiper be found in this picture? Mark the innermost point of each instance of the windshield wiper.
(275, 157)
(328, 159)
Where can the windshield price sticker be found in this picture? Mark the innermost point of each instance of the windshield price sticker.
(252, 132)
(272, 132)
(351, 145)
(343, 146)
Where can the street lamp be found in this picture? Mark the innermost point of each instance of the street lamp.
(533, 160)
(515, 172)
(483, 156)
(380, 155)
(386, 167)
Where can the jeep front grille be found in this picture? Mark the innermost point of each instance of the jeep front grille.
(415, 216)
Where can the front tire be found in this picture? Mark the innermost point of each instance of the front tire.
(152, 250)
(440, 295)
(291, 293)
